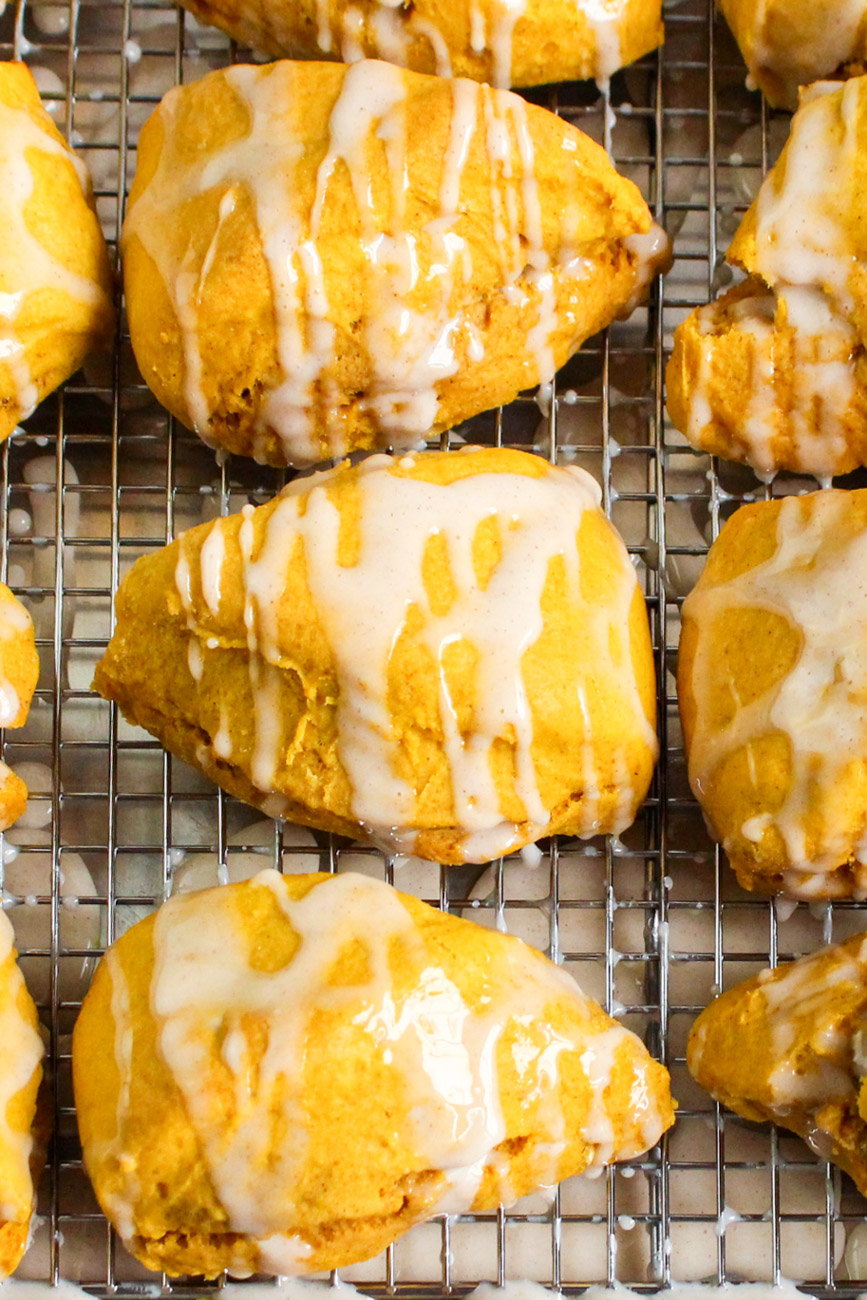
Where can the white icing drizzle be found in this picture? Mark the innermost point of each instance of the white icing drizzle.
(25, 264)
(410, 351)
(802, 993)
(817, 580)
(442, 1050)
(21, 1050)
(364, 606)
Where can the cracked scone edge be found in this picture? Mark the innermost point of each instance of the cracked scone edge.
(447, 655)
(773, 373)
(783, 1046)
(449, 244)
(284, 1075)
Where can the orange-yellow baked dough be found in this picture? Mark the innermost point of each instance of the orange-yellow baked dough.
(285, 1074)
(54, 272)
(20, 1075)
(788, 1046)
(772, 685)
(527, 43)
(447, 654)
(19, 673)
(787, 44)
(321, 258)
(773, 373)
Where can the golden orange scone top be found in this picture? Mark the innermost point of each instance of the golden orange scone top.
(788, 1046)
(284, 1075)
(321, 258)
(21, 1052)
(446, 654)
(772, 684)
(528, 44)
(53, 260)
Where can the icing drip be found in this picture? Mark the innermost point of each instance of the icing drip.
(21, 1051)
(204, 995)
(417, 327)
(25, 264)
(816, 580)
(799, 239)
(363, 614)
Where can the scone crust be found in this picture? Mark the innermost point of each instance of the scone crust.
(816, 1007)
(361, 1184)
(56, 328)
(146, 669)
(552, 40)
(23, 1116)
(220, 371)
(748, 649)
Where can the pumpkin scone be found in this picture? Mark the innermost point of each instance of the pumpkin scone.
(774, 373)
(321, 258)
(284, 1075)
(446, 654)
(789, 1045)
(787, 44)
(21, 1053)
(55, 283)
(772, 685)
(19, 673)
(504, 42)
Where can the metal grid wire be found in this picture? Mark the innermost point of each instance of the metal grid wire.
(651, 923)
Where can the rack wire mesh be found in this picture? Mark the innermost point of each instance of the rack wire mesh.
(651, 923)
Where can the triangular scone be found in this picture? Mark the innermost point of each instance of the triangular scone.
(774, 373)
(520, 43)
(19, 673)
(447, 654)
(55, 279)
(21, 1053)
(787, 44)
(789, 1046)
(772, 687)
(285, 1074)
(320, 258)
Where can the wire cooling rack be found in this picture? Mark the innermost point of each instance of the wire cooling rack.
(651, 923)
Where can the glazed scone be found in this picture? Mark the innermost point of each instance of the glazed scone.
(774, 373)
(789, 1046)
(321, 258)
(520, 43)
(787, 44)
(446, 654)
(772, 685)
(284, 1075)
(55, 283)
(19, 673)
(21, 1053)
